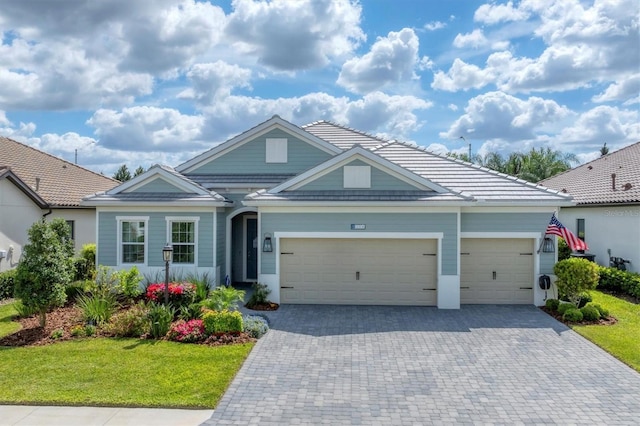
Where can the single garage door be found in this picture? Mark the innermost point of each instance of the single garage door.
(496, 271)
(358, 271)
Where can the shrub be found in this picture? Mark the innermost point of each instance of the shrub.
(604, 313)
(255, 326)
(159, 317)
(57, 334)
(260, 295)
(23, 310)
(564, 252)
(190, 312)
(132, 322)
(564, 307)
(202, 285)
(222, 321)
(77, 331)
(572, 315)
(618, 281)
(7, 283)
(584, 299)
(129, 283)
(224, 298)
(97, 309)
(575, 276)
(590, 313)
(105, 282)
(180, 294)
(88, 262)
(187, 331)
(552, 304)
(89, 330)
(74, 290)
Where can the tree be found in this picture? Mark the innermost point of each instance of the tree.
(122, 174)
(544, 163)
(604, 150)
(575, 276)
(139, 171)
(46, 267)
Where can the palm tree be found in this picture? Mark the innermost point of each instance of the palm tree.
(541, 164)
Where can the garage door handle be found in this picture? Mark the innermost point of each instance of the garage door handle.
(526, 288)
(465, 288)
(526, 254)
(429, 289)
(428, 254)
(286, 253)
(464, 254)
(284, 286)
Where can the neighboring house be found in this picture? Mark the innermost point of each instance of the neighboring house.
(607, 214)
(36, 185)
(326, 214)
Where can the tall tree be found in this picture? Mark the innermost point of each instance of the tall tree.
(604, 150)
(46, 267)
(541, 164)
(139, 171)
(122, 174)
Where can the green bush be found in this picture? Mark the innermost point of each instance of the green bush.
(88, 255)
(604, 313)
(190, 312)
(129, 283)
(106, 282)
(77, 331)
(7, 283)
(564, 252)
(552, 304)
(575, 276)
(572, 315)
(202, 285)
(57, 334)
(584, 299)
(260, 295)
(90, 330)
(617, 281)
(132, 322)
(23, 310)
(222, 321)
(74, 290)
(564, 307)
(97, 309)
(255, 326)
(224, 298)
(590, 313)
(160, 318)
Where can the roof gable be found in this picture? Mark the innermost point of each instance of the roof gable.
(7, 174)
(159, 179)
(273, 124)
(610, 179)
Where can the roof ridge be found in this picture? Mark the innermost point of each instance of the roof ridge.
(39, 151)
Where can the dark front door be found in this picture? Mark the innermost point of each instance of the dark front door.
(251, 242)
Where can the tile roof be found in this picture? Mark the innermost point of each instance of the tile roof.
(353, 195)
(59, 182)
(592, 183)
(342, 136)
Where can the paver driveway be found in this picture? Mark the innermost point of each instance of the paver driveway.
(399, 365)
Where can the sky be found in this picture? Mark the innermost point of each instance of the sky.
(159, 81)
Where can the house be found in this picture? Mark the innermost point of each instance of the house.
(36, 185)
(327, 214)
(607, 211)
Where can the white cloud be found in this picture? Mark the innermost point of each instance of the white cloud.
(452, 107)
(496, 115)
(292, 35)
(434, 25)
(462, 76)
(474, 39)
(496, 13)
(392, 59)
(215, 81)
(627, 90)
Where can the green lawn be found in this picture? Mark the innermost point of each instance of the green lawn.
(7, 326)
(621, 340)
(116, 372)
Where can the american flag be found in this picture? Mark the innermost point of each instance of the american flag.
(556, 228)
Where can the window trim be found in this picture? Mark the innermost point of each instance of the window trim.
(120, 220)
(276, 151)
(193, 219)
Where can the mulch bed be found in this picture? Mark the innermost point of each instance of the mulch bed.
(269, 306)
(609, 321)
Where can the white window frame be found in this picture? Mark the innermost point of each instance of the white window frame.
(357, 177)
(194, 219)
(120, 220)
(276, 150)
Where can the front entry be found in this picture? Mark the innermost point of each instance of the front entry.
(244, 247)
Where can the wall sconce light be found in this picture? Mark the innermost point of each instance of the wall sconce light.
(548, 246)
(267, 247)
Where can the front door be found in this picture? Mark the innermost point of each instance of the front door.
(251, 249)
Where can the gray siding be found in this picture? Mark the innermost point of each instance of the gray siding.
(156, 235)
(510, 222)
(380, 180)
(220, 244)
(158, 185)
(375, 222)
(250, 157)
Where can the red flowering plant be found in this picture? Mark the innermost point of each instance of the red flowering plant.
(187, 331)
(180, 294)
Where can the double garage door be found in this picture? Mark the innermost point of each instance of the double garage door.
(358, 271)
(402, 271)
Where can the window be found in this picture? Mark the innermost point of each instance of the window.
(132, 237)
(276, 150)
(580, 228)
(357, 177)
(182, 234)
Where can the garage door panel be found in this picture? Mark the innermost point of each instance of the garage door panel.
(512, 262)
(390, 271)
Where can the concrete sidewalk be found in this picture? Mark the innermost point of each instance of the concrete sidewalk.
(111, 416)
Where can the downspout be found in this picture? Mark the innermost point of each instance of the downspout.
(44, 216)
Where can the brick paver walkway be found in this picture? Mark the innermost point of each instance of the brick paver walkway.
(409, 365)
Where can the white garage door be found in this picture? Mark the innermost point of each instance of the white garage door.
(496, 271)
(358, 271)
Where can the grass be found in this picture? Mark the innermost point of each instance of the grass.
(7, 326)
(622, 339)
(116, 372)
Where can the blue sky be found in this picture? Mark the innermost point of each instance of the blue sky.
(159, 81)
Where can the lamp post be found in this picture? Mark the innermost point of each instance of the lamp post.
(167, 254)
